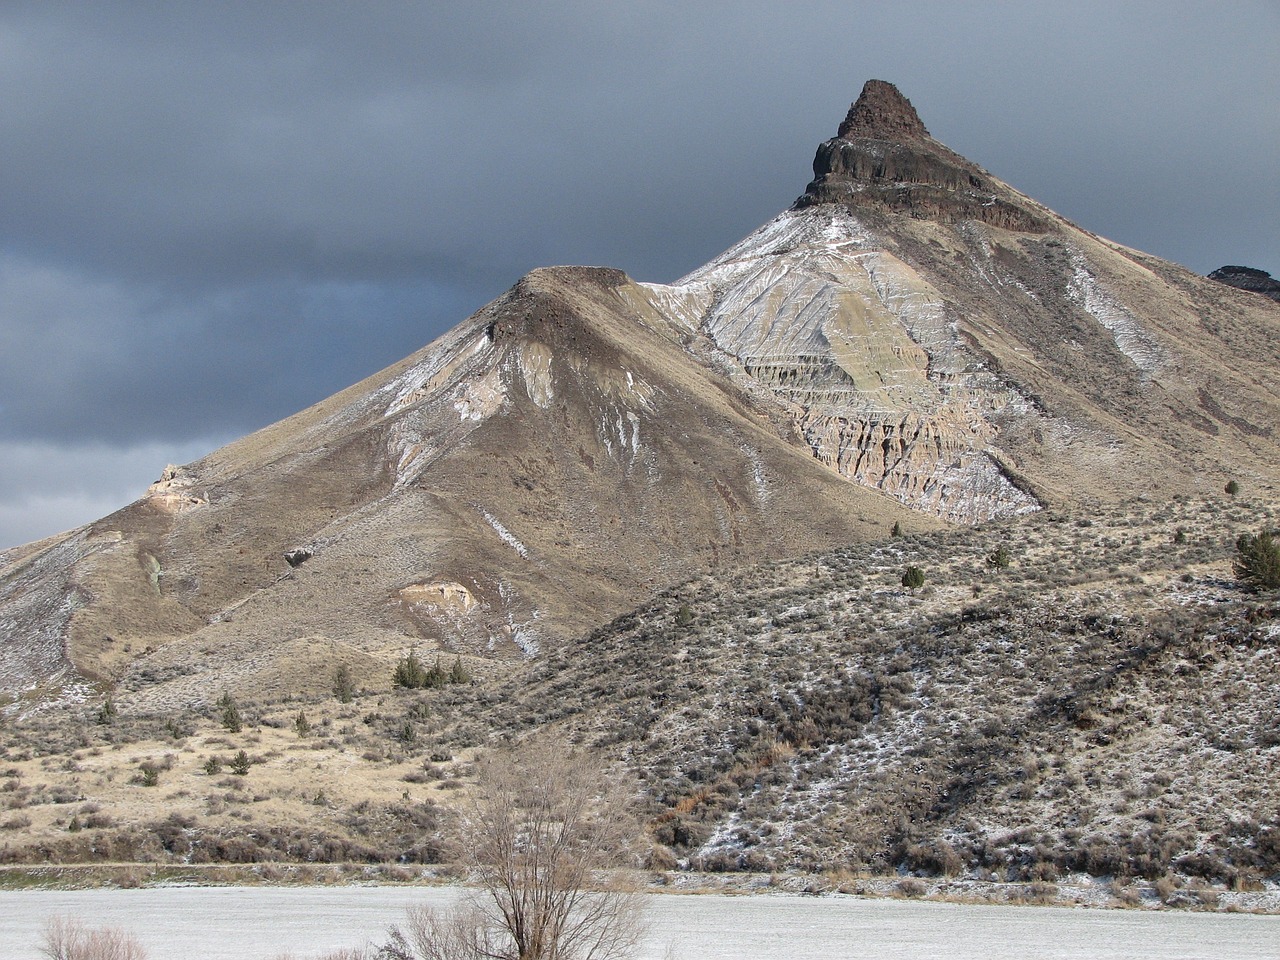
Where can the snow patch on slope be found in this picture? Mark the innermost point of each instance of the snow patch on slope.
(436, 369)
(523, 633)
(1133, 341)
(506, 535)
(39, 597)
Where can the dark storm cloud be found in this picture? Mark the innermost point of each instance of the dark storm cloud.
(215, 214)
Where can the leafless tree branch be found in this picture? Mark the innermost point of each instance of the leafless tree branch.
(543, 831)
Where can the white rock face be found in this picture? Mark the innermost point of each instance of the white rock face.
(859, 348)
(442, 595)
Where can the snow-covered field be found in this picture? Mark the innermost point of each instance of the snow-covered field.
(223, 923)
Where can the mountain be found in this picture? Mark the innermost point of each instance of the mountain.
(913, 342)
(657, 519)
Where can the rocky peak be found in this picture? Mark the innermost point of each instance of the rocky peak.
(881, 112)
(883, 157)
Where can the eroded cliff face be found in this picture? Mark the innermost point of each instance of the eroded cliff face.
(934, 334)
(882, 155)
(861, 351)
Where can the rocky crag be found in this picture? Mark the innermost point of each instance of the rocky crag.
(1248, 278)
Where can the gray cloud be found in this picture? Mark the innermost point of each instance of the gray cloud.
(215, 214)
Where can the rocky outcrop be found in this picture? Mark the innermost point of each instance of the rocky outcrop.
(175, 491)
(1248, 278)
(883, 155)
(928, 461)
(881, 112)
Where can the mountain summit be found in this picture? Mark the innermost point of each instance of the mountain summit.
(913, 342)
(881, 112)
(882, 154)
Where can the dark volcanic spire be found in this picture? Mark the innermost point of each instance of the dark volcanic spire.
(883, 158)
(882, 113)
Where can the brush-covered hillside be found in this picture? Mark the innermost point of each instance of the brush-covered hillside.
(1089, 692)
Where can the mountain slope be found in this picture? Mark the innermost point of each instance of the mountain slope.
(912, 342)
(944, 338)
(545, 465)
(1105, 703)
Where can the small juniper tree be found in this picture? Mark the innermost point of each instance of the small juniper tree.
(106, 713)
(1257, 562)
(240, 764)
(999, 558)
(897, 529)
(1232, 488)
(913, 578)
(344, 686)
(435, 678)
(410, 673)
(230, 713)
(459, 673)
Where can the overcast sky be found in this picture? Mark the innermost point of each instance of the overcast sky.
(216, 214)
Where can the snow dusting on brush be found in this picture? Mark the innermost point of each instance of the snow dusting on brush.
(507, 537)
(758, 478)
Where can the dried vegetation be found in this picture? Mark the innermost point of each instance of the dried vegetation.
(1103, 700)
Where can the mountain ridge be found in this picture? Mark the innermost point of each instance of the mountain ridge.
(883, 352)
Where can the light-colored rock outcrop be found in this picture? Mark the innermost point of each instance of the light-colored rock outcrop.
(858, 347)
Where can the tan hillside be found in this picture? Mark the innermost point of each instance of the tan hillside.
(551, 461)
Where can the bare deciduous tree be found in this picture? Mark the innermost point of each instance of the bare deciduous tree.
(545, 826)
(71, 940)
